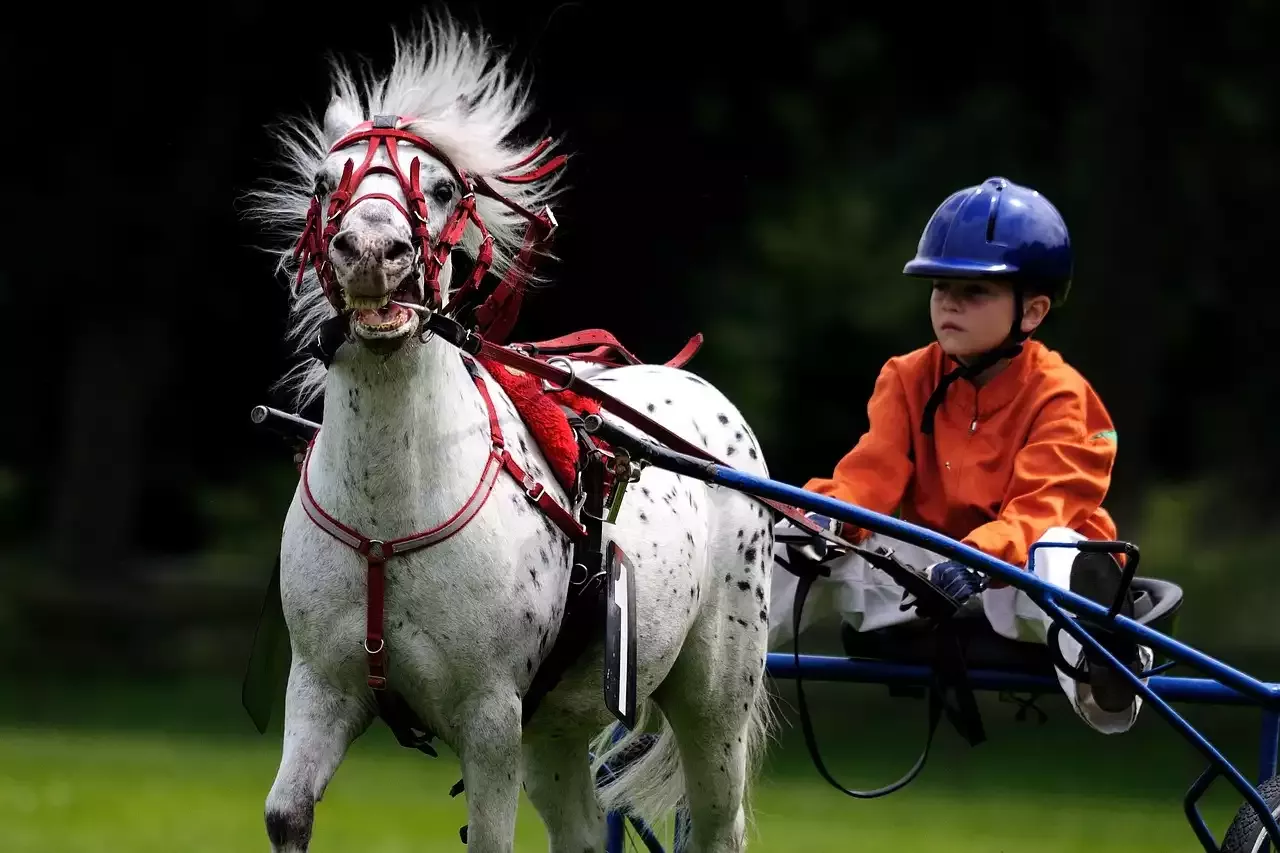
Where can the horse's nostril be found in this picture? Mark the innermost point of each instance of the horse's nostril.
(344, 244)
(397, 249)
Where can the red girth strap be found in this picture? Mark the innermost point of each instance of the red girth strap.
(376, 552)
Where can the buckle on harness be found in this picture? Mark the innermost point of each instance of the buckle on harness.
(532, 488)
(377, 551)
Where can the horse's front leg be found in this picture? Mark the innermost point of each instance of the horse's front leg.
(320, 723)
(489, 749)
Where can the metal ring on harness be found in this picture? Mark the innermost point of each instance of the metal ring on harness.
(382, 644)
(568, 365)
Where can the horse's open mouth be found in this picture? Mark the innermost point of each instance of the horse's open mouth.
(380, 318)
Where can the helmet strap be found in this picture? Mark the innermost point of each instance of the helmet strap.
(1011, 347)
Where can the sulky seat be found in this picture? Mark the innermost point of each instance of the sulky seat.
(1156, 606)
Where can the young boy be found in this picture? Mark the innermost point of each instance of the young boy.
(987, 437)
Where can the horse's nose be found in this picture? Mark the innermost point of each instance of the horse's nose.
(350, 246)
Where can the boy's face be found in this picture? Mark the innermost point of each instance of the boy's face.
(972, 316)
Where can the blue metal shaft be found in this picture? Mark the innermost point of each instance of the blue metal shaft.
(1230, 686)
(1201, 691)
(1262, 694)
(1173, 718)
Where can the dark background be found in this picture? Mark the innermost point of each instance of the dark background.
(759, 175)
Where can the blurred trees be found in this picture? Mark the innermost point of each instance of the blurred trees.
(762, 182)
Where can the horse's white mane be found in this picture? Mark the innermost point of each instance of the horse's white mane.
(464, 100)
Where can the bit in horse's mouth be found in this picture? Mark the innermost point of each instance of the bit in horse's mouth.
(380, 316)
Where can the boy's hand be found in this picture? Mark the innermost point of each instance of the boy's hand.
(831, 525)
(956, 579)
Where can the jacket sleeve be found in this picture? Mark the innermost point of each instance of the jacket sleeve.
(875, 473)
(1060, 476)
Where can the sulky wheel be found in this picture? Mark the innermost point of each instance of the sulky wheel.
(1245, 833)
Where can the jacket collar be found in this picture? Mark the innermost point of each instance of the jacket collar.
(999, 391)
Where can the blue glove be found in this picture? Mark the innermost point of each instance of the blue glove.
(956, 579)
(831, 525)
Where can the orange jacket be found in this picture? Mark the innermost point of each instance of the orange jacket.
(1030, 450)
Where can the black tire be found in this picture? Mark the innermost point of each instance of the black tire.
(1245, 833)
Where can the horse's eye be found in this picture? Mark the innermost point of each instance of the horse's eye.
(442, 192)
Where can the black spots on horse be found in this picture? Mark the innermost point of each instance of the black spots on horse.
(737, 436)
(533, 575)
(759, 592)
(722, 418)
(528, 664)
(702, 436)
(728, 578)
(746, 707)
(744, 585)
(353, 400)
(751, 679)
(546, 559)
(741, 533)
(291, 828)
(528, 616)
(755, 537)
(399, 624)
(730, 450)
(405, 439)
(650, 408)
(751, 451)
(667, 401)
(742, 622)
(644, 490)
(750, 554)
(764, 615)
(641, 515)
(696, 380)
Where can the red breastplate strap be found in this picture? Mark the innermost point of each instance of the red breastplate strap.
(376, 551)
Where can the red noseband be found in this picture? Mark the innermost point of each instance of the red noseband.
(496, 315)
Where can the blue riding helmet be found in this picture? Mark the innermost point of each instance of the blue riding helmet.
(997, 230)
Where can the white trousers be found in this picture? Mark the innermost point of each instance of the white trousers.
(868, 599)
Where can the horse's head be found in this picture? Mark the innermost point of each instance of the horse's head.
(387, 209)
(401, 172)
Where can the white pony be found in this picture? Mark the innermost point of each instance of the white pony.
(404, 442)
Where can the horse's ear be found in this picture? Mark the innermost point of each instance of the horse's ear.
(338, 120)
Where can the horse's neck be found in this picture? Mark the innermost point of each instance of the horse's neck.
(403, 440)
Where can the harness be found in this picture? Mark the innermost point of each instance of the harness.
(603, 471)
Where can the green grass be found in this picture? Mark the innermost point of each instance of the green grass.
(163, 768)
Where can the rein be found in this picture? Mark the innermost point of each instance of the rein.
(474, 343)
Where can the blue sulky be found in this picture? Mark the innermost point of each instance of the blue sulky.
(1224, 685)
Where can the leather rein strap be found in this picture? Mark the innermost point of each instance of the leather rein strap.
(475, 344)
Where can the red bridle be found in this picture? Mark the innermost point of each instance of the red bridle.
(496, 315)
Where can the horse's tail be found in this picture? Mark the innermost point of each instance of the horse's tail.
(640, 772)
(644, 775)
